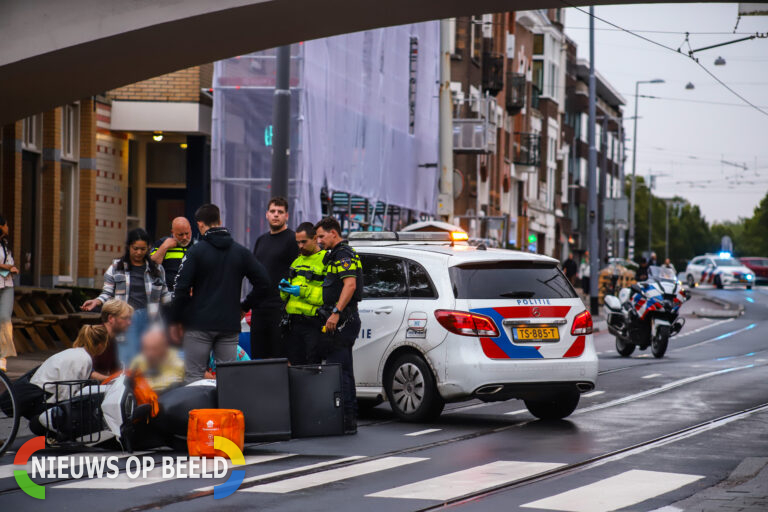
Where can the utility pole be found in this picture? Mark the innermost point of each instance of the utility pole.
(281, 123)
(594, 263)
(651, 179)
(602, 240)
(445, 130)
(634, 163)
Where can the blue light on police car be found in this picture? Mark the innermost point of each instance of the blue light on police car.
(748, 276)
(724, 255)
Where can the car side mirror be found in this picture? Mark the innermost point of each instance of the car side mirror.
(636, 288)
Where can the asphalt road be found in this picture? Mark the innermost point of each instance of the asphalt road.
(652, 433)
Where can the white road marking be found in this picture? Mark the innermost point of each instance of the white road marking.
(334, 475)
(155, 476)
(288, 471)
(620, 491)
(713, 324)
(6, 471)
(651, 376)
(717, 338)
(591, 394)
(519, 411)
(471, 480)
(660, 389)
(422, 432)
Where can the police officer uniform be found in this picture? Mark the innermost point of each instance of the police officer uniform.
(343, 262)
(172, 260)
(304, 325)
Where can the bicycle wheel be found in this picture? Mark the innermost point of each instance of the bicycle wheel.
(9, 414)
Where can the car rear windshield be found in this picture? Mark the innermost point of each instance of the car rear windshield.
(510, 280)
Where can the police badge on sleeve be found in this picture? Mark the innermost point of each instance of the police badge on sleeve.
(346, 263)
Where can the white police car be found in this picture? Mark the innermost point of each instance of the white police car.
(718, 269)
(445, 322)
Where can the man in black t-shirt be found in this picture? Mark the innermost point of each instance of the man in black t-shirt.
(276, 250)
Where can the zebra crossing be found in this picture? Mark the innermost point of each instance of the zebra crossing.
(601, 495)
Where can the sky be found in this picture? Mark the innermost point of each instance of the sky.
(686, 138)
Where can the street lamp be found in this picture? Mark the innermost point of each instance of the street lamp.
(690, 86)
(634, 166)
(719, 61)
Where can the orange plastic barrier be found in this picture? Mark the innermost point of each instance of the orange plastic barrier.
(204, 424)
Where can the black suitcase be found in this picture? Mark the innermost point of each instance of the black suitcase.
(260, 390)
(316, 403)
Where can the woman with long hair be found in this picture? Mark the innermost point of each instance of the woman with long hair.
(140, 282)
(7, 271)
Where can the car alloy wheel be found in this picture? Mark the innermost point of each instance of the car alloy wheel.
(408, 388)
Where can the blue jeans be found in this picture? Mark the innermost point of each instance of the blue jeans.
(130, 344)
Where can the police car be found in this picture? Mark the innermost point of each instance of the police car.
(443, 321)
(718, 269)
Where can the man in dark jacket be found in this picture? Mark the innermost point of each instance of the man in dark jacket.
(207, 293)
(570, 268)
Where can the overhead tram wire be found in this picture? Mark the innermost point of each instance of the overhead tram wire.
(673, 50)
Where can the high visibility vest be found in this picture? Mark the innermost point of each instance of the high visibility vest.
(308, 272)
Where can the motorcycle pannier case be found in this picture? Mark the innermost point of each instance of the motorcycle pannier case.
(316, 403)
(260, 390)
(205, 424)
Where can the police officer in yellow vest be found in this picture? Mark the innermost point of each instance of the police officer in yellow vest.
(169, 251)
(303, 295)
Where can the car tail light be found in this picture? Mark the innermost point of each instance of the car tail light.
(582, 324)
(467, 324)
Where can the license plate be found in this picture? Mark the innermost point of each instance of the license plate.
(536, 334)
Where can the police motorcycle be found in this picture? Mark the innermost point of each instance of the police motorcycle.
(647, 313)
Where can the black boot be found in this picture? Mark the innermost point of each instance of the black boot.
(350, 424)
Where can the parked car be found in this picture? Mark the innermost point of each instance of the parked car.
(758, 265)
(447, 322)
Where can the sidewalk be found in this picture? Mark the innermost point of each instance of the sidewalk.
(746, 489)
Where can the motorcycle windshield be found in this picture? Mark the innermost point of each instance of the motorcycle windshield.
(661, 273)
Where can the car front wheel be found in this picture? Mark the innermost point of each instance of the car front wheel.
(411, 389)
(555, 407)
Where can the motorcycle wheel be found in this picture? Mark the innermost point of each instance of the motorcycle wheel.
(660, 342)
(624, 349)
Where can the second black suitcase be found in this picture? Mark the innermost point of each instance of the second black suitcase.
(316, 403)
(259, 389)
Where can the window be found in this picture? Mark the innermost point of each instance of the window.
(510, 280)
(69, 132)
(32, 128)
(546, 51)
(68, 221)
(383, 277)
(419, 284)
(475, 37)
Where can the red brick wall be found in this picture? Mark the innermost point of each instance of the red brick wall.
(183, 85)
(86, 205)
(50, 199)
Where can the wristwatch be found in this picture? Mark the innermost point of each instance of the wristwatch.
(336, 310)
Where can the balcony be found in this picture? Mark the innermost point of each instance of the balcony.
(515, 93)
(527, 150)
(493, 73)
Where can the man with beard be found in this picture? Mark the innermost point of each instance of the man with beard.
(169, 251)
(275, 250)
(302, 293)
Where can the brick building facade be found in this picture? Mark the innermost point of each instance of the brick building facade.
(76, 178)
